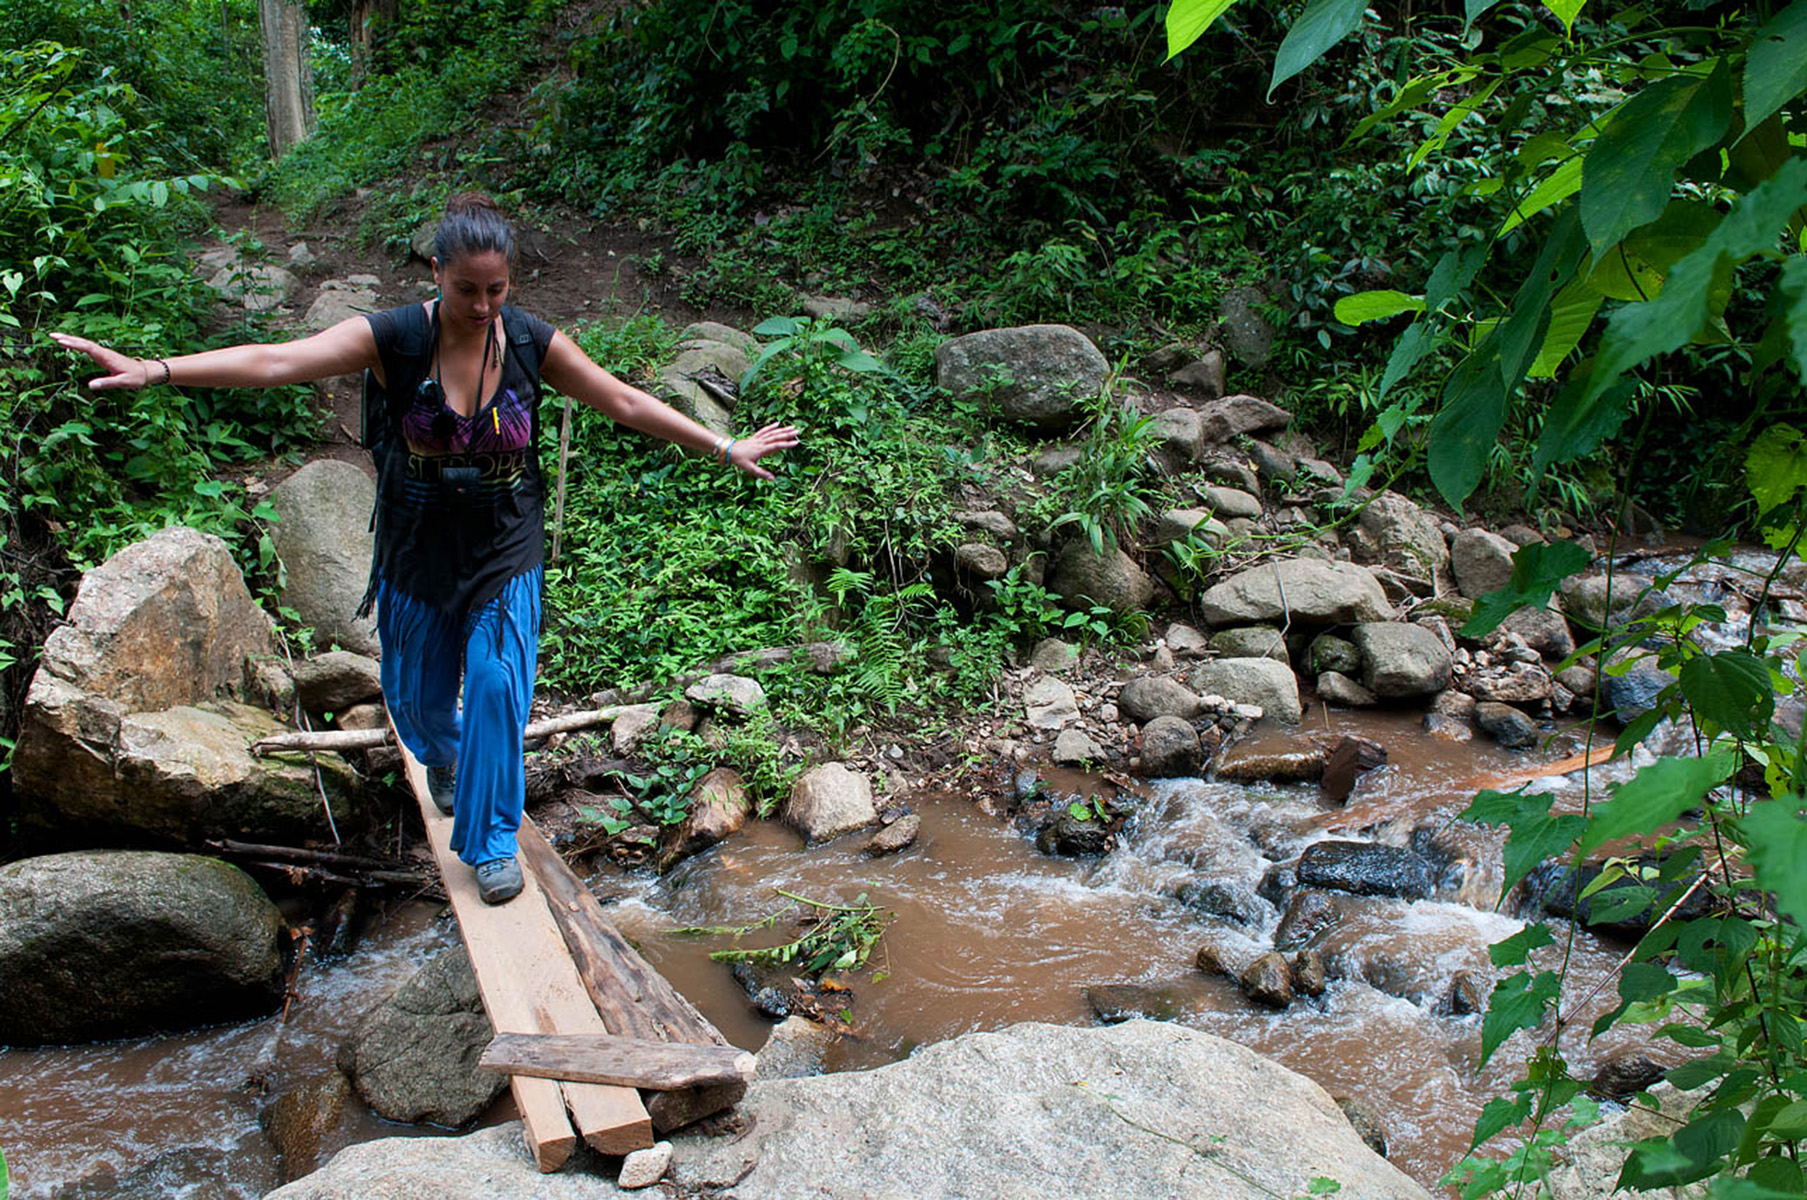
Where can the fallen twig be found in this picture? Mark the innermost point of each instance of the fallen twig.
(370, 739)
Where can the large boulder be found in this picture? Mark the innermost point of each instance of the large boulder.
(1401, 536)
(1259, 681)
(1221, 420)
(1034, 374)
(1309, 590)
(1149, 696)
(323, 536)
(1082, 579)
(1019, 1113)
(130, 721)
(1481, 562)
(106, 943)
(1170, 749)
(1402, 660)
(1597, 602)
(829, 801)
(414, 1056)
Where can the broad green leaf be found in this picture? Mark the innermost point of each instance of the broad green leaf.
(1644, 981)
(1656, 795)
(1376, 305)
(1571, 312)
(1727, 1187)
(1518, 1002)
(1452, 274)
(1516, 950)
(1791, 1122)
(1775, 468)
(1639, 332)
(1537, 571)
(1322, 25)
(1414, 93)
(1775, 69)
(1623, 275)
(1187, 21)
(1777, 837)
(1730, 691)
(1467, 424)
(1417, 341)
(1501, 1113)
(1681, 229)
(1577, 420)
(777, 327)
(1558, 186)
(1695, 1072)
(1458, 113)
(1523, 329)
(1471, 12)
(1791, 288)
(1534, 834)
(1630, 168)
(1566, 11)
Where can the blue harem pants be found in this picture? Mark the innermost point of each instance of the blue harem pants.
(495, 649)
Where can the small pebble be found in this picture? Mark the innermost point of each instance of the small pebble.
(643, 1168)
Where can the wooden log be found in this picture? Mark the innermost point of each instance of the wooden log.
(630, 1062)
(529, 985)
(634, 1000)
(342, 740)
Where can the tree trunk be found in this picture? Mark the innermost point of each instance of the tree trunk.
(288, 83)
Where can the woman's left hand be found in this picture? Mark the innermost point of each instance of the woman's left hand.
(749, 450)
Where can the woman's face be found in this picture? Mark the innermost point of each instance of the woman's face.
(472, 288)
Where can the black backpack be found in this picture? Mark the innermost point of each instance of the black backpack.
(375, 420)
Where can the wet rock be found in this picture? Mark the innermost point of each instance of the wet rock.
(1235, 415)
(1578, 679)
(1074, 746)
(765, 990)
(1279, 881)
(794, 1049)
(1115, 1003)
(307, 1123)
(1553, 887)
(1346, 760)
(1406, 539)
(1170, 749)
(898, 835)
(719, 808)
(1250, 641)
(1367, 1126)
(734, 695)
(1289, 760)
(1053, 655)
(1544, 630)
(1268, 981)
(829, 801)
(1631, 686)
(1217, 898)
(1069, 836)
(1112, 579)
(1185, 641)
(1510, 683)
(1209, 959)
(632, 727)
(1328, 652)
(1315, 593)
(1508, 726)
(414, 1056)
(1149, 696)
(1261, 682)
(335, 681)
(1308, 973)
(1481, 562)
(1451, 716)
(106, 943)
(1342, 691)
(1049, 704)
(191, 1172)
(1309, 914)
(325, 541)
(1625, 1073)
(1366, 869)
(1033, 375)
(1400, 661)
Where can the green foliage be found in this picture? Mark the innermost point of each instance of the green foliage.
(839, 937)
(1107, 495)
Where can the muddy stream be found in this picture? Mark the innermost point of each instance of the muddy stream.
(988, 932)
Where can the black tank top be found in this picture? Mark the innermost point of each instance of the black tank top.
(460, 505)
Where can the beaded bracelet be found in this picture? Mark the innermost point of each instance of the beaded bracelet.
(728, 451)
(165, 367)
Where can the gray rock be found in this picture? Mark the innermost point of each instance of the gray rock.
(337, 680)
(1229, 503)
(1451, 716)
(1228, 465)
(1203, 376)
(837, 308)
(981, 561)
(1584, 598)
(1595, 1155)
(255, 289)
(1578, 679)
(1328, 652)
(1075, 746)
(1401, 660)
(1112, 579)
(1310, 591)
(1053, 462)
(1178, 524)
(414, 1056)
(715, 331)
(1071, 836)
(1481, 561)
(1544, 630)
(1630, 689)
(1245, 332)
(1216, 898)
(1034, 375)
(1006, 1111)
(1510, 683)
(632, 726)
(643, 1168)
(105, 943)
(899, 835)
(1366, 869)
(795, 1049)
(1268, 981)
(1178, 429)
(735, 695)
(1053, 655)
(1250, 641)
(1284, 760)
(1170, 749)
(1406, 539)
(1273, 464)
(829, 801)
(1367, 1126)
(1049, 704)
(1310, 978)
(1336, 688)
(338, 300)
(1310, 913)
(718, 361)
(323, 536)
(719, 809)
(1258, 681)
(1185, 641)
(995, 523)
(1149, 696)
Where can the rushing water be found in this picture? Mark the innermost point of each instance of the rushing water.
(988, 932)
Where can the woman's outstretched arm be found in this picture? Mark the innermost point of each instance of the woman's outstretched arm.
(571, 371)
(344, 349)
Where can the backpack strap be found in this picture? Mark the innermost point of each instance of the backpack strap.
(528, 352)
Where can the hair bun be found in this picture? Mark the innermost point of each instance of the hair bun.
(471, 202)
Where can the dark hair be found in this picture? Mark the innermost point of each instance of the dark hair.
(472, 225)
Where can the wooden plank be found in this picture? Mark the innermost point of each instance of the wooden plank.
(630, 1062)
(634, 1000)
(529, 985)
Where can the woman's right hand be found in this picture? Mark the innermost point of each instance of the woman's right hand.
(121, 371)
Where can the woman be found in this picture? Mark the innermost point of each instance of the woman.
(460, 505)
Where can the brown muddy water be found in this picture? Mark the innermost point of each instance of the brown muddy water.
(988, 932)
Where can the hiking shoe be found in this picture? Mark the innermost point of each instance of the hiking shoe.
(440, 782)
(498, 880)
